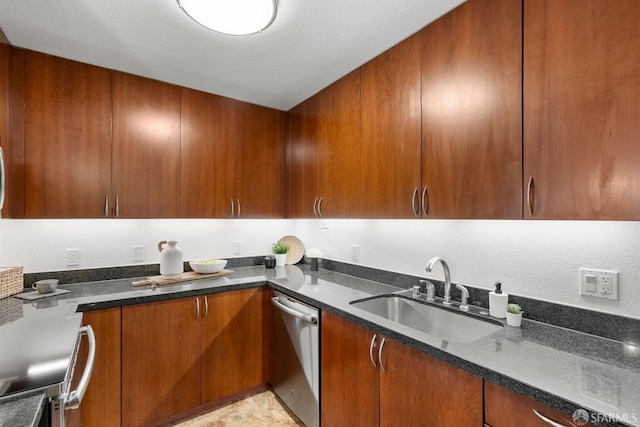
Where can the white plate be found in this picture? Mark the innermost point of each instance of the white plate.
(296, 249)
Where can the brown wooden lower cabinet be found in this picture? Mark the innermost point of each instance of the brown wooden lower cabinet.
(181, 354)
(506, 408)
(365, 386)
(101, 402)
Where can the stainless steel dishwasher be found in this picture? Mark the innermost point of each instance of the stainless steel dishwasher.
(296, 360)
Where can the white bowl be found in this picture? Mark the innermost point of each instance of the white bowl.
(207, 266)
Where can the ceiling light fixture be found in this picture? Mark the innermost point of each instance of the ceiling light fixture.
(235, 17)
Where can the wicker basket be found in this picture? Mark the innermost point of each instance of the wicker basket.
(11, 281)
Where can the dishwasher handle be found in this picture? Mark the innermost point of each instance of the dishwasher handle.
(75, 397)
(302, 316)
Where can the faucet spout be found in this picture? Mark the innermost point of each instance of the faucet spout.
(447, 277)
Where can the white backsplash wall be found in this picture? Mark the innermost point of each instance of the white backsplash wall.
(538, 259)
(41, 245)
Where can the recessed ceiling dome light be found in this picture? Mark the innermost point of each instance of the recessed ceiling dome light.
(235, 17)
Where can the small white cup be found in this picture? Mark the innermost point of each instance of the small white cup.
(46, 286)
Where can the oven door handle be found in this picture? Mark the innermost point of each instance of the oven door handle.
(74, 398)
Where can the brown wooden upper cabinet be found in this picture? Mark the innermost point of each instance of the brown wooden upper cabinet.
(581, 91)
(260, 187)
(146, 147)
(327, 127)
(208, 148)
(472, 112)
(390, 132)
(67, 138)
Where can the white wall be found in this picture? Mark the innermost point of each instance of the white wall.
(538, 259)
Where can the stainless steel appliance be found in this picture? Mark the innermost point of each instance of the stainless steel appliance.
(296, 364)
(39, 354)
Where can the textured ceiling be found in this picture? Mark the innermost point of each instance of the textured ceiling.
(311, 44)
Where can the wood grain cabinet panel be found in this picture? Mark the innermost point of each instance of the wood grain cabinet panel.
(581, 91)
(370, 380)
(207, 127)
(260, 189)
(472, 111)
(161, 360)
(233, 333)
(506, 408)
(302, 160)
(146, 147)
(67, 131)
(390, 132)
(339, 148)
(349, 391)
(101, 405)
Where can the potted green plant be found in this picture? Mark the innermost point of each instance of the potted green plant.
(280, 250)
(514, 315)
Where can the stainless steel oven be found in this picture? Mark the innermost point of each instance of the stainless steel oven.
(39, 353)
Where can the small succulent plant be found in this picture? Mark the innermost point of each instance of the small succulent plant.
(514, 308)
(280, 248)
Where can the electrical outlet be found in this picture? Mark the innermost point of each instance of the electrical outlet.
(236, 247)
(73, 256)
(599, 283)
(355, 253)
(138, 253)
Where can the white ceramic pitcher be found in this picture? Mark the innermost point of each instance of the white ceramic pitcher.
(171, 263)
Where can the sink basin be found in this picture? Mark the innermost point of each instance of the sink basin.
(430, 319)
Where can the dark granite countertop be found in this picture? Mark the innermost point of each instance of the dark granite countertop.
(562, 368)
(22, 411)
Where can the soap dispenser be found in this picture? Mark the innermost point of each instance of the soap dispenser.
(498, 302)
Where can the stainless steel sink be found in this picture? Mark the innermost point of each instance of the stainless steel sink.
(430, 319)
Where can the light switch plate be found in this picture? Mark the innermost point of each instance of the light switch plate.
(599, 283)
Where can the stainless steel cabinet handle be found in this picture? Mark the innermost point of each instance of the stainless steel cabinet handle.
(295, 313)
(206, 307)
(529, 199)
(380, 355)
(320, 207)
(232, 210)
(425, 204)
(238, 200)
(373, 343)
(2, 180)
(117, 206)
(106, 205)
(74, 398)
(547, 420)
(413, 202)
(315, 212)
(197, 308)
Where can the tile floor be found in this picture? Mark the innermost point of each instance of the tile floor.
(261, 410)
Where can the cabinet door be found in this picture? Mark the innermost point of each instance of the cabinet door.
(419, 390)
(207, 127)
(581, 91)
(391, 132)
(161, 347)
(67, 138)
(101, 403)
(260, 161)
(302, 160)
(349, 391)
(339, 148)
(146, 147)
(233, 351)
(471, 111)
(505, 408)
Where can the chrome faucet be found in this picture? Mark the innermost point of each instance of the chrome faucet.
(447, 277)
(464, 297)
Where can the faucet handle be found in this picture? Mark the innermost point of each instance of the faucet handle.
(464, 297)
(431, 290)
